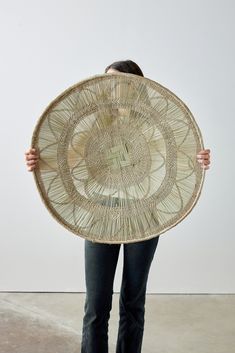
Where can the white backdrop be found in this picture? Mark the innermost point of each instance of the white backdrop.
(48, 45)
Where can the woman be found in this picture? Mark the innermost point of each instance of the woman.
(100, 266)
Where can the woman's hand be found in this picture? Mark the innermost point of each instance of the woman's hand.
(203, 157)
(31, 157)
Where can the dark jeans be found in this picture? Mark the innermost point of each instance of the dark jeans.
(100, 266)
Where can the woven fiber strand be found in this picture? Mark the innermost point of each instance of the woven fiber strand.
(118, 158)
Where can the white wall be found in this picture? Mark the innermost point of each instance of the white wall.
(48, 45)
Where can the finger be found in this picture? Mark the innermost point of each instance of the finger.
(206, 162)
(31, 150)
(31, 156)
(203, 154)
(31, 163)
(203, 157)
(204, 151)
(32, 159)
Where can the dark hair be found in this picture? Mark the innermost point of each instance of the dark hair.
(128, 66)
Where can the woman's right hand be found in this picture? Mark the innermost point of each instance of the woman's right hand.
(31, 158)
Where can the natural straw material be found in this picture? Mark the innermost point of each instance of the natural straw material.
(118, 158)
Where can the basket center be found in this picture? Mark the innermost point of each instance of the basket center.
(118, 157)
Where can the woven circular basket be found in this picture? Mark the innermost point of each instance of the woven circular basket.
(118, 158)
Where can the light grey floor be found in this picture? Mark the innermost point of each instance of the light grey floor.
(52, 323)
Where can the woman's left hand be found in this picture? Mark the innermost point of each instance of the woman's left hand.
(203, 157)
